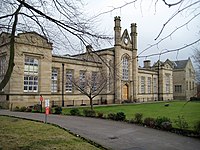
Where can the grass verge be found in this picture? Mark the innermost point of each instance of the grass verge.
(29, 135)
(190, 111)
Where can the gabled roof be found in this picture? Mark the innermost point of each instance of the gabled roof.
(161, 63)
(97, 51)
(180, 64)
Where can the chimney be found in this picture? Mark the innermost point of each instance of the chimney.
(89, 48)
(147, 64)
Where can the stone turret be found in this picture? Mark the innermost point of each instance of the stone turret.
(134, 35)
(117, 30)
(134, 60)
(117, 51)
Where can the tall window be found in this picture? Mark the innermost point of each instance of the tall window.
(125, 68)
(69, 77)
(109, 78)
(82, 79)
(54, 80)
(187, 85)
(109, 81)
(2, 67)
(149, 85)
(94, 81)
(190, 73)
(167, 83)
(193, 85)
(155, 88)
(178, 88)
(30, 74)
(142, 84)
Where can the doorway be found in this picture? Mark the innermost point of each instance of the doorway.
(125, 92)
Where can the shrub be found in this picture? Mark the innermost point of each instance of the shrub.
(120, 116)
(100, 115)
(16, 108)
(75, 112)
(138, 118)
(166, 105)
(58, 110)
(197, 126)
(36, 108)
(23, 109)
(181, 122)
(149, 122)
(166, 126)
(194, 99)
(112, 116)
(29, 108)
(160, 120)
(131, 121)
(89, 113)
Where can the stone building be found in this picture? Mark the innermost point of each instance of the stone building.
(38, 72)
(184, 80)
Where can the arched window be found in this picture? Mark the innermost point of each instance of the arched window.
(125, 68)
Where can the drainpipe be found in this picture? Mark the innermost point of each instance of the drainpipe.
(62, 85)
(114, 78)
(159, 80)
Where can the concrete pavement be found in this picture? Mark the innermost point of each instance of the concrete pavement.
(116, 135)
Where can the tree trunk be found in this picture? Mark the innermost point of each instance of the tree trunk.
(12, 51)
(91, 104)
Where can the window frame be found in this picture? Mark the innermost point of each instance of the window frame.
(167, 83)
(82, 79)
(178, 88)
(54, 80)
(142, 87)
(94, 80)
(155, 85)
(3, 66)
(149, 85)
(69, 84)
(31, 74)
(125, 68)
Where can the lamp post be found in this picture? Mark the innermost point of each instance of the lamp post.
(62, 85)
(41, 99)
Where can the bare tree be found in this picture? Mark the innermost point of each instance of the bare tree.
(91, 84)
(187, 8)
(59, 21)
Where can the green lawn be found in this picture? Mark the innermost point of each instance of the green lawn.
(190, 111)
(21, 134)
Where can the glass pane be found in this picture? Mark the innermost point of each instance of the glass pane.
(35, 88)
(26, 68)
(36, 62)
(25, 87)
(30, 88)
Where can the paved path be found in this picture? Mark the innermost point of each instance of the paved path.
(116, 135)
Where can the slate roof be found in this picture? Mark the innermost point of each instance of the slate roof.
(180, 64)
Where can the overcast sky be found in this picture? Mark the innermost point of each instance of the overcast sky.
(150, 19)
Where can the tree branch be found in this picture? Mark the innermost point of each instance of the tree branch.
(12, 51)
(174, 15)
(172, 4)
(169, 34)
(169, 51)
(76, 32)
